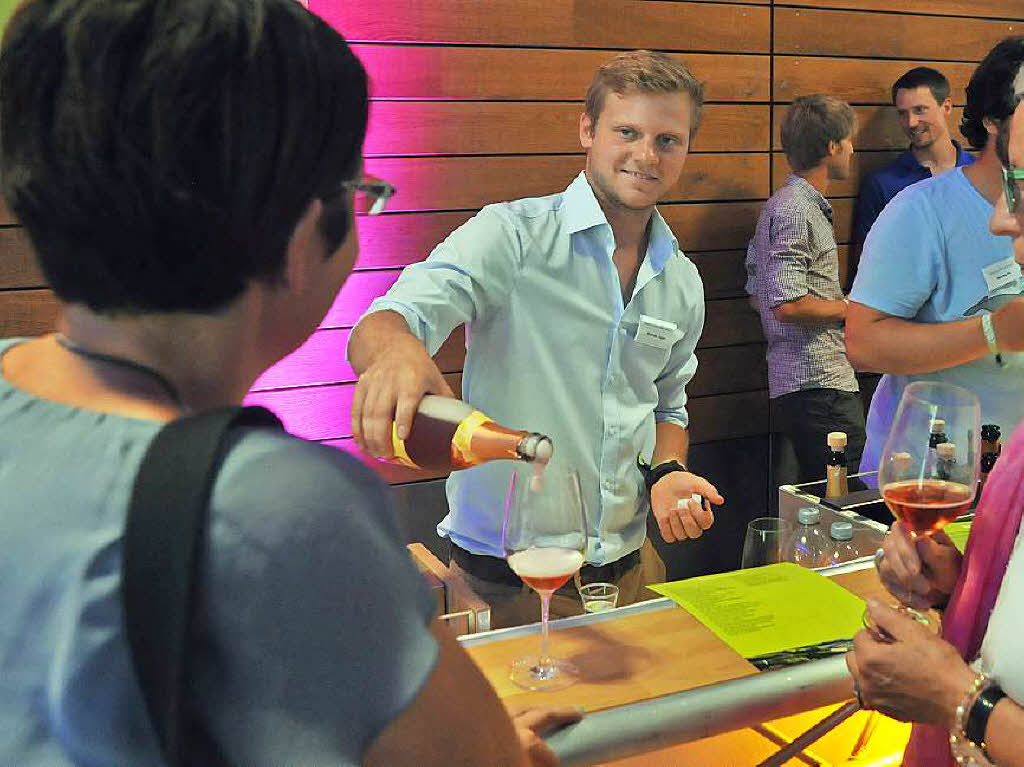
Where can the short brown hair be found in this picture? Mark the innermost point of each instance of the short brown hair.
(811, 122)
(645, 72)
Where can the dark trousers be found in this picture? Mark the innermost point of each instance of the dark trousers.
(801, 422)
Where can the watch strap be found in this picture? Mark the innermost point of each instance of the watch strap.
(652, 474)
(981, 710)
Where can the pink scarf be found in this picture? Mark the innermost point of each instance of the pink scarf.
(996, 522)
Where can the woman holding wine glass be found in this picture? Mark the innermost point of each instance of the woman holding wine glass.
(965, 688)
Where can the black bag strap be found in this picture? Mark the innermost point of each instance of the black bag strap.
(163, 536)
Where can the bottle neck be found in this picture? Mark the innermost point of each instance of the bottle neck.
(937, 439)
(836, 458)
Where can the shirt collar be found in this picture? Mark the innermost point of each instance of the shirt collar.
(910, 162)
(812, 194)
(583, 211)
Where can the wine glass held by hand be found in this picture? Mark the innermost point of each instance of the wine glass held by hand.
(544, 536)
(929, 467)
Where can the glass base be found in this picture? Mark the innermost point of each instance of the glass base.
(556, 674)
(881, 635)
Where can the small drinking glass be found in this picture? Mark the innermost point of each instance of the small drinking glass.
(598, 597)
(765, 541)
(544, 535)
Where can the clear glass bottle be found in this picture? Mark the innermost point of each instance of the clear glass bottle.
(810, 546)
(448, 434)
(844, 548)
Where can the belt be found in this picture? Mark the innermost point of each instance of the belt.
(496, 569)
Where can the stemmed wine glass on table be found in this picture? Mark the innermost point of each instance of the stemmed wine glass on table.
(544, 535)
(929, 469)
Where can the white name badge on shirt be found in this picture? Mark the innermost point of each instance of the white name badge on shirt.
(1001, 273)
(654, 332)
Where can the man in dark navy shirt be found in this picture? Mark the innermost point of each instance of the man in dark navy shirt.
(921, 98)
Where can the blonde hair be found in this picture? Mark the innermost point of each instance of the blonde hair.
(644, 72)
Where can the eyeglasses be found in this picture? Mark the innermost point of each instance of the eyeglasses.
(1011, 189)
(371, 194)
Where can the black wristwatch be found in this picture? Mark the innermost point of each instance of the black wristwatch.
(977, 718)
(653, 474)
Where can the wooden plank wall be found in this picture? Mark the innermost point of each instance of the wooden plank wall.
(478, 102)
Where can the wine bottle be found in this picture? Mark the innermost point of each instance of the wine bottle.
(448, 434)
(991, 447)
(938, 435)
(835, 467)
(946, 462)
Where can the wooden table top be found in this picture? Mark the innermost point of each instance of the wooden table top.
(633, 657)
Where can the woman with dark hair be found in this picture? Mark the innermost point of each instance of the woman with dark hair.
(965, 688)
(187, 171)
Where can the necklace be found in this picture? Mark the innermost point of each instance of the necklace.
(169, 389)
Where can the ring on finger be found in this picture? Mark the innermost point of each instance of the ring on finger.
(879, 556)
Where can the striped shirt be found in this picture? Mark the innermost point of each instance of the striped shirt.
(793, 254)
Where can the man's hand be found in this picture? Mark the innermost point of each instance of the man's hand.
(534, 723)
(921, 572)
(679, 516)
(390, 389)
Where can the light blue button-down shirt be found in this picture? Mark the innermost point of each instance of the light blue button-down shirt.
(553, 349)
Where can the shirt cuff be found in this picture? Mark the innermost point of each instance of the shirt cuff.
(678, 417)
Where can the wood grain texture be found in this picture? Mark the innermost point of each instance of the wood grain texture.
(712, 226)
(854, 33)
(321, 360)
(6, 216)
(878, 127)
(625, 658)
(1000, 9)
(398, 240)
(27, 312)
(858, 81)
(18, 268)
(322, 412)
(460, 183)
(558, 23)
(531, 74)
(861, 165)
(513, 128)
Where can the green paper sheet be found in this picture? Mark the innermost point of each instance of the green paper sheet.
(958, 532)
(769, 609)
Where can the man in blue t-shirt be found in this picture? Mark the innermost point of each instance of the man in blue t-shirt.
(921, 98)
(933, 283)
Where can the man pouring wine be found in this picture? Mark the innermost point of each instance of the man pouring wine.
(583, 316)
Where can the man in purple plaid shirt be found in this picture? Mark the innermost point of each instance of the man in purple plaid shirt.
(793, 277)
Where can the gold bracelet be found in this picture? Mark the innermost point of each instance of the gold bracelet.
(958, 735)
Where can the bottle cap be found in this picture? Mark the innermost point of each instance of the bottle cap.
(808, 515)
(946, 450)
(938, 426)
(837, 440)
(841, 531)
(990, 432)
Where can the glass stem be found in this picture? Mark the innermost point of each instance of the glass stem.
(545, 602)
